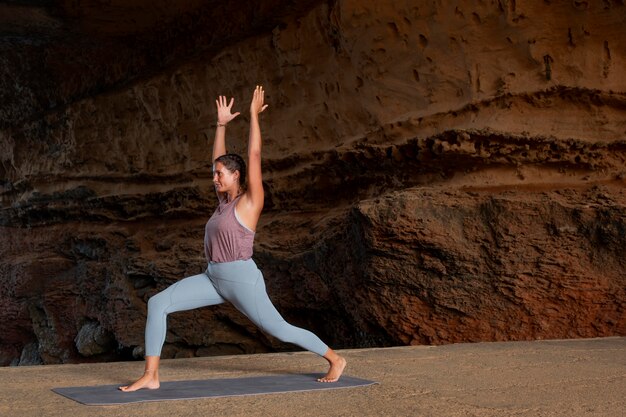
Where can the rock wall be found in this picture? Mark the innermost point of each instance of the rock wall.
(435, 173)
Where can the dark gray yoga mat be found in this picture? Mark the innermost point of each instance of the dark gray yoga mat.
(205, 388)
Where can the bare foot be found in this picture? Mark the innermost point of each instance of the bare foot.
(336, 369)
(149, 380)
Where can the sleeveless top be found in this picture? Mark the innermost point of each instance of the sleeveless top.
(226, 239)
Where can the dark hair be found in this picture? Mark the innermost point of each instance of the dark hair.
(234, 162)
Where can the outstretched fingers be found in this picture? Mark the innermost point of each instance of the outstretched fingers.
(258, 99)
(221, 102)
(224, 107)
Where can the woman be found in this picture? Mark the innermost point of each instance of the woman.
(231, 274)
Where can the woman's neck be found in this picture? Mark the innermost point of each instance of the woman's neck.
(230, 196)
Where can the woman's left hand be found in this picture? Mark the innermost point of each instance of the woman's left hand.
(258, 97)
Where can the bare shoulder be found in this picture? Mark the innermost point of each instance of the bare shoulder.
(247, 212)
(249, 204)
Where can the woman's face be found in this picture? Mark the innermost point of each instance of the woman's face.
(223, 179)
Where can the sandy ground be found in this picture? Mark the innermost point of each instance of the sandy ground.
(585, 377)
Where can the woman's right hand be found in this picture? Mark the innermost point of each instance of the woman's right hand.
(224, 114)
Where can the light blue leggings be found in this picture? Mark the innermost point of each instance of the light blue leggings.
(239, 282)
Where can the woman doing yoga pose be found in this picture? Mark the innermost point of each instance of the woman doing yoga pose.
(231, 274)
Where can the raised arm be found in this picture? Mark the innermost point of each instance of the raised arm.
(254, 192)
(224, 116)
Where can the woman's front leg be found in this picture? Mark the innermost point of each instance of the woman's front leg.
(192, 292)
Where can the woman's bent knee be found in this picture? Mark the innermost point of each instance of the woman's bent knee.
(157, 302)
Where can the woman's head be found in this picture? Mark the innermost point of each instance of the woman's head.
(229, 169)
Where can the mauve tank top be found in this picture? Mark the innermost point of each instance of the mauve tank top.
(225, 238)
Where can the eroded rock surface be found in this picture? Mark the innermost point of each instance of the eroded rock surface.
(434, 173)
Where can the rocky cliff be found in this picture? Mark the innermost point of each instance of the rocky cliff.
(435, 172)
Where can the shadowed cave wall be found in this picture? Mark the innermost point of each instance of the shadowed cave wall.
(435, 172)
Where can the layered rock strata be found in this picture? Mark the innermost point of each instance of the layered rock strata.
(434, 173)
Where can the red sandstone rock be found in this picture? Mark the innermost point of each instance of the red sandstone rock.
(434, 173)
